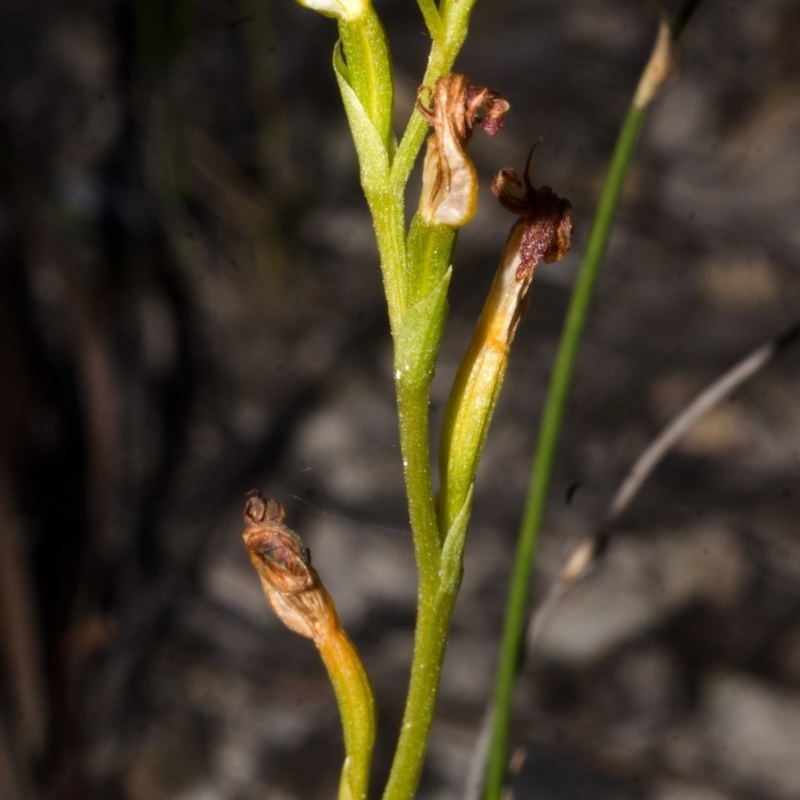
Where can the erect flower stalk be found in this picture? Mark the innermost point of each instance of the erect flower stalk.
(543, 232)
(297, 595)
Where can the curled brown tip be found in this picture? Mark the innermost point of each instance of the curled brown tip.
(259, 510)
(283, 563)
(547, 217)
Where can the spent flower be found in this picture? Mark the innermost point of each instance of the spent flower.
(294, 590)
(449, 180)
(545, 219)
(543, 232)
(290, 583)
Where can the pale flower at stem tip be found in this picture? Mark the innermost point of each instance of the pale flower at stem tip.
(343, 10)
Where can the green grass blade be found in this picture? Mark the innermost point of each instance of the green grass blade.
(550, 432)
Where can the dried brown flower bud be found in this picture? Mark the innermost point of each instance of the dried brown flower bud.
(449, 181)
(290, 583)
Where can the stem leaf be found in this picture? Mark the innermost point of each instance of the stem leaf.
(417, 342)
(373, 156)
(453, 549)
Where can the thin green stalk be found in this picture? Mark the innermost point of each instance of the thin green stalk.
(357, 710)
(415, 348)
(414, 446)
(432, 17)
(417, 337)
(435, 610)
(386, 208)
(416, 297)
(550, 431)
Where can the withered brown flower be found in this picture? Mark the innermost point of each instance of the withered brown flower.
(542, 232)
(290, 583)
(546, 218)
(449, 181)
(296, 594)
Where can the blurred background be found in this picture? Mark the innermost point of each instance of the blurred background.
(191, 307)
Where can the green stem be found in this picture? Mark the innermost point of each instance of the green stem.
(415, 449)
(386, 208)
(357, 710)
(433, 20)
(416, 344)
(433, 618)
(550, 431)
(435, 611)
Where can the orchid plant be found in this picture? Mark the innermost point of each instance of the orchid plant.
(416, 265)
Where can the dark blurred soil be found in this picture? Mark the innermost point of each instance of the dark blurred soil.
(191, 307)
